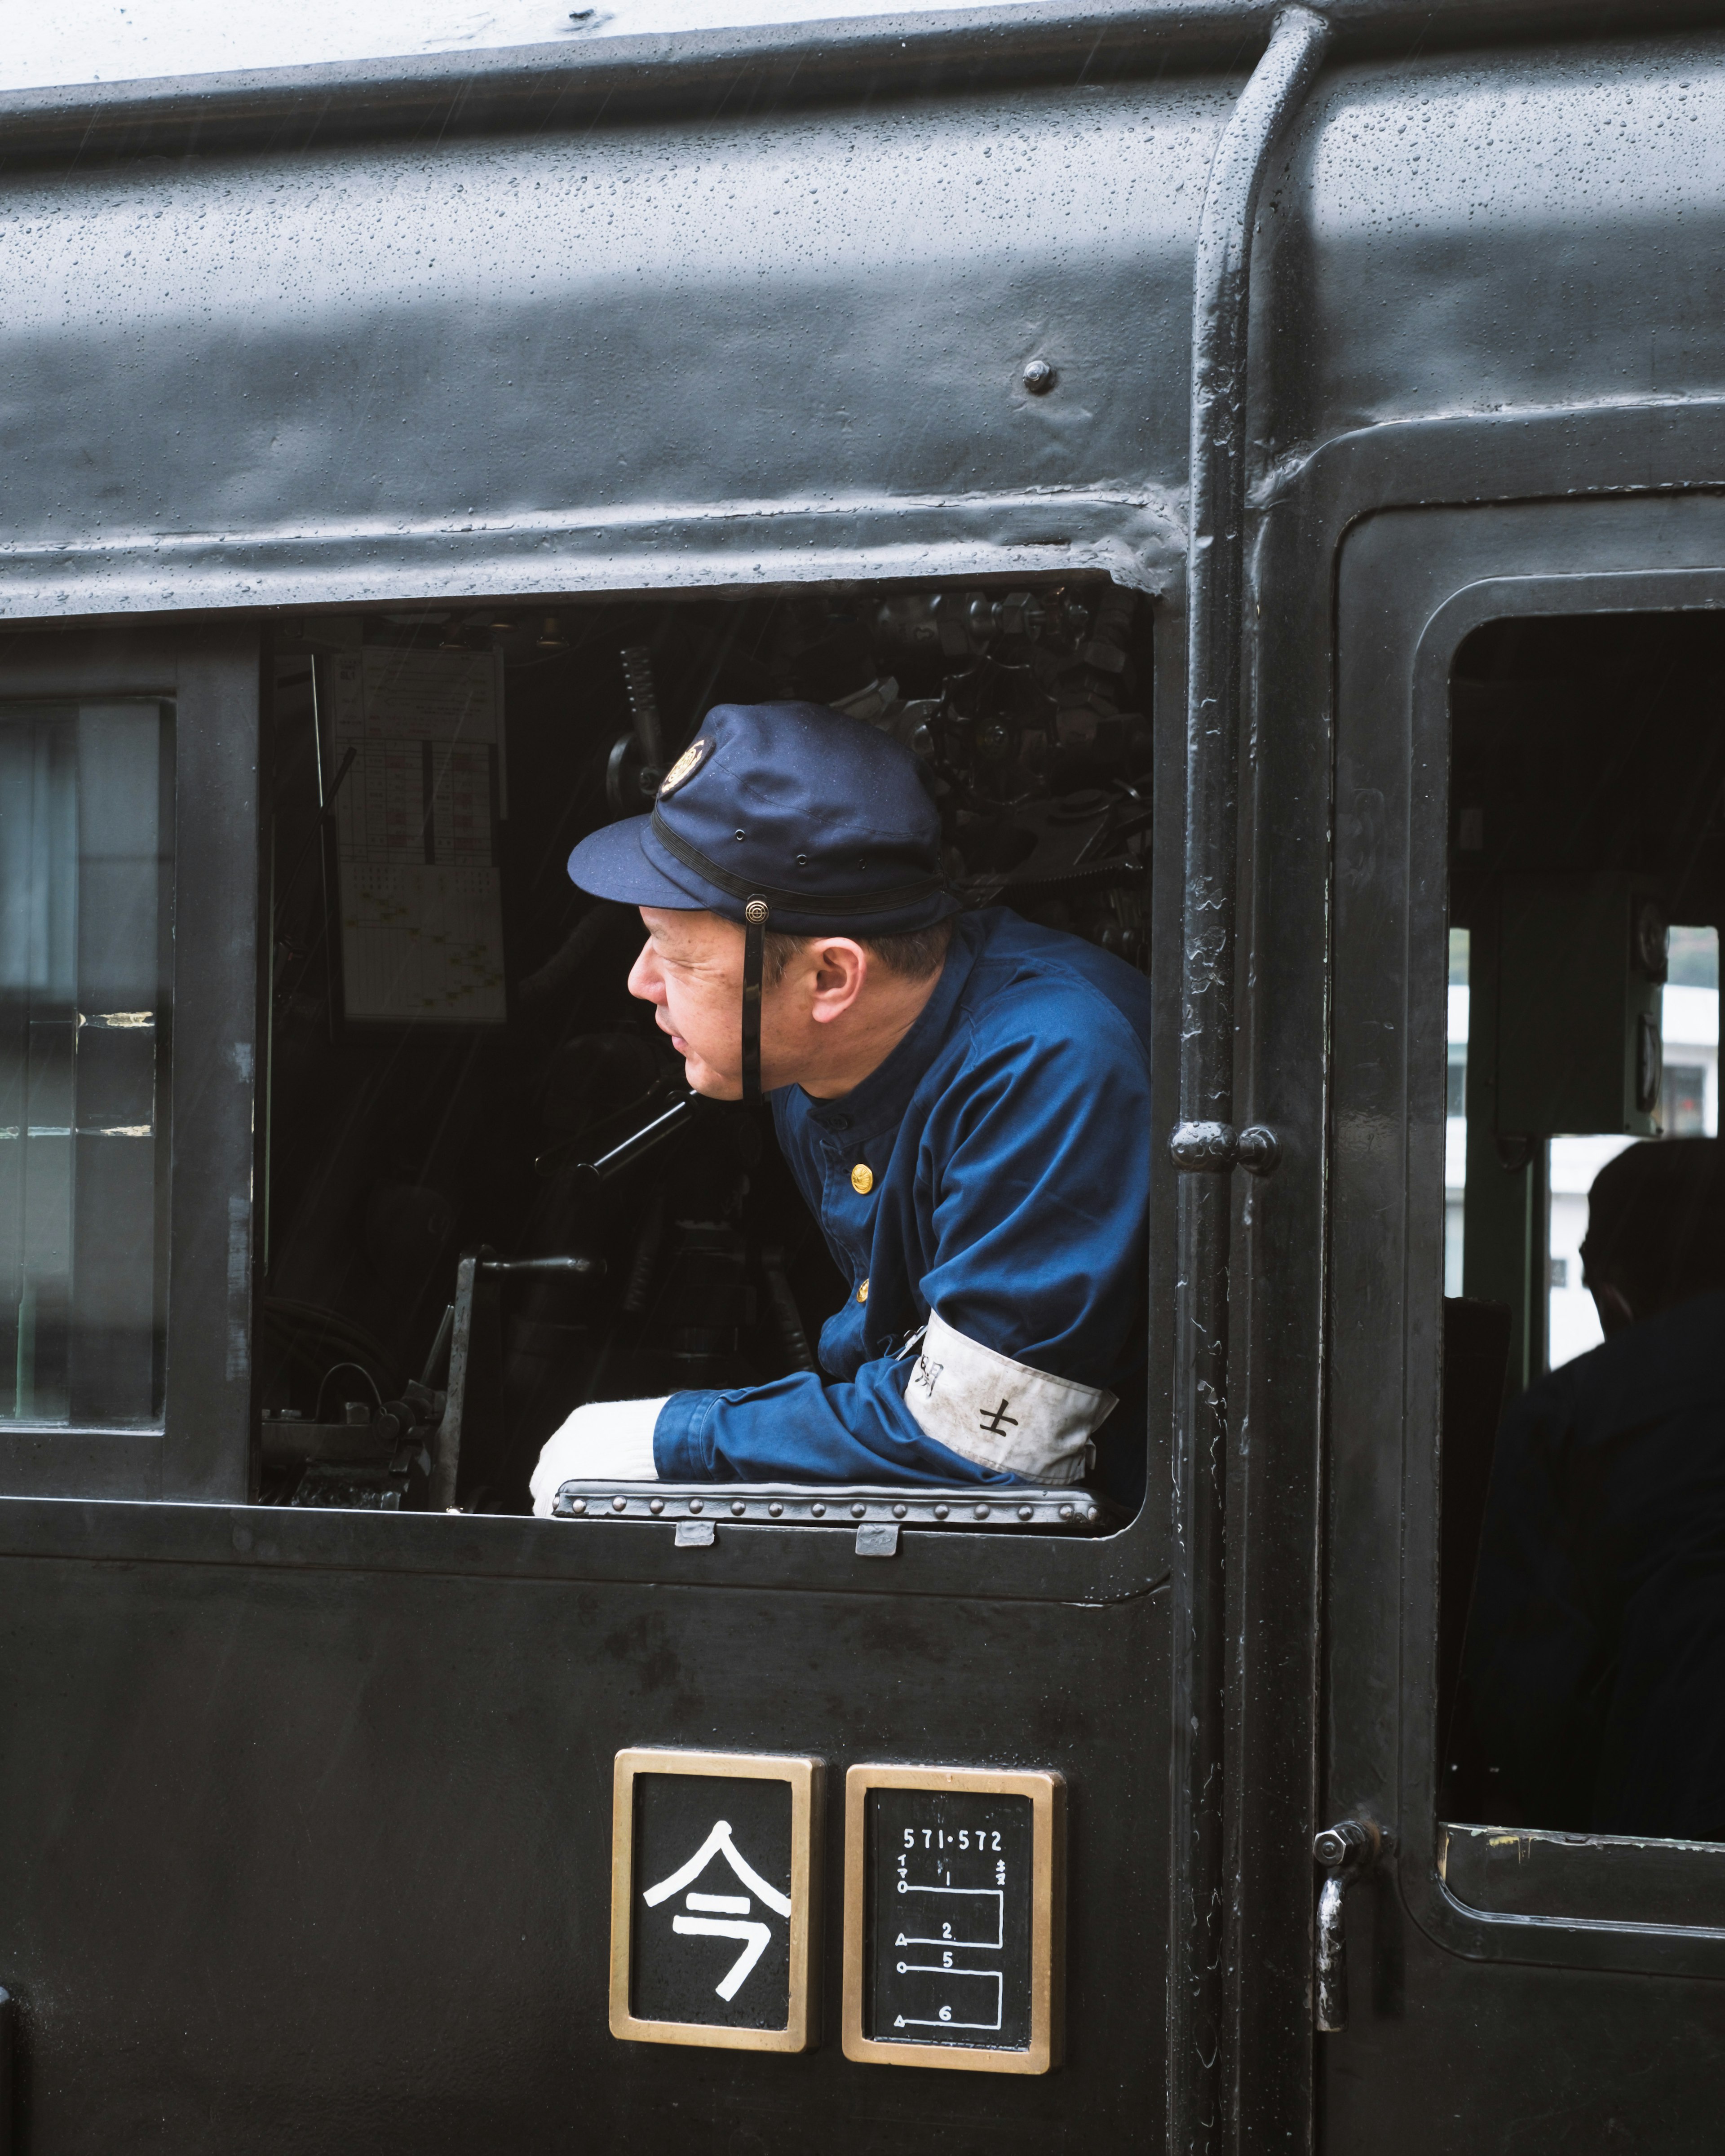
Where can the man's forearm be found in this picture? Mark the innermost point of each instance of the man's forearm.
(797, 1429)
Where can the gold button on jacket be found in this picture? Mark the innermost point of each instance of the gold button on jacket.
(862, 1179)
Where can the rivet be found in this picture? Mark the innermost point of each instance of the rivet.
(858, 1511)
(577, 1504)
(819, 1510)
(981, 1512)
(696, 1505)
(739, 838)
(1025, 1513)
(1091, 1513)
(738, 1507)
(941, 1510)
(1065, 1511)
(655, 1505)
(898, 1511)
(802, 860)
(775, 1508)
(1039, 378)
(619, 1504)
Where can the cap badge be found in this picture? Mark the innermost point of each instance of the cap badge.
(686, 766)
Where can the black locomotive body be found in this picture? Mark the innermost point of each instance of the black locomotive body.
(1271, 465)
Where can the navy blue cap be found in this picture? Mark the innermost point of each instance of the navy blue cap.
(822, 816)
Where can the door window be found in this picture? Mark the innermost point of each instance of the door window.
(86, 852)
(1584, 1516)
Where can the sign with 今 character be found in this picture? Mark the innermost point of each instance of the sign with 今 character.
(954, 1914)
(715, 1880)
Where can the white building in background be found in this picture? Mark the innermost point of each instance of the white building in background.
(1456, 1130)
(1689, 1107)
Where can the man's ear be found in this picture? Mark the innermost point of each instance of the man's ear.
(841, 967)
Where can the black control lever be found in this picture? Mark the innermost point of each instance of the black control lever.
(474, 1338)
(664, 1124)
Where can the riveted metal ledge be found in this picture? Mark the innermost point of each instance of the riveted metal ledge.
(848, 1506)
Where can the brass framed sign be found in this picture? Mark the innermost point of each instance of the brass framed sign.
(715, 1883)
(954, 1918)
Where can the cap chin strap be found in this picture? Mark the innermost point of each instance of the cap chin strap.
(754, 963)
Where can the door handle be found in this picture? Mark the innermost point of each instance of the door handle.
(1344, 1852)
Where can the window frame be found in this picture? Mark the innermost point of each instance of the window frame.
(202, 1452)
(1412, 585)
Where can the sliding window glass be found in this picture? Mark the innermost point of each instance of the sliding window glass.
(86, 854)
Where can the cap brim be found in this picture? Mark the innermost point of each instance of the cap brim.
(610, 864)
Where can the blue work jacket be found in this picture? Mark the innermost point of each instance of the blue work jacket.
(1007, 1145)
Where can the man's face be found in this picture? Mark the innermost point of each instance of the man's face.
(690, 967)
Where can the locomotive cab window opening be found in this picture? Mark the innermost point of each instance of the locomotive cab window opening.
(488, 1201)
(1581, 1640)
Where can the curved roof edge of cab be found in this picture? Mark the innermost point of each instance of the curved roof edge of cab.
(792, 63)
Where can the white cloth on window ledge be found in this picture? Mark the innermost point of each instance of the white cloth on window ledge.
(606, 1441)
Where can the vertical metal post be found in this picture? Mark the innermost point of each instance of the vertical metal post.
(447, 1445)
(1205, 1147)
(8, 2094)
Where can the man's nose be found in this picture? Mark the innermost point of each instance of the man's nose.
(644, 979)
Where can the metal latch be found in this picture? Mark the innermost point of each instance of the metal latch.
(1345, 1851)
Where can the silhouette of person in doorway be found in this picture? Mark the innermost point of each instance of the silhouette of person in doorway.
(1596, 1644)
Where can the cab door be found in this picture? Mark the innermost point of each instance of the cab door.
(1527, 799)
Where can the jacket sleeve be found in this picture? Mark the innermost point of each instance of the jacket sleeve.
(1035, 1171)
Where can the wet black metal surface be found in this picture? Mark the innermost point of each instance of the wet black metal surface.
(1215, 595)
(779, 64)
(306, 1830)
(322, 1861)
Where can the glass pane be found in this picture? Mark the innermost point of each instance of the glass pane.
(1688, 1108)
(1581, 1631)
(1455, 1114)
(85, 859)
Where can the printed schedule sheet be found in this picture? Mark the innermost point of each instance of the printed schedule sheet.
(420, 891)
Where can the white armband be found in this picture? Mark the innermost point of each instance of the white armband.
(1000, 1414)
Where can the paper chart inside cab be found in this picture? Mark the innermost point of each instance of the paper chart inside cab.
(419, 889)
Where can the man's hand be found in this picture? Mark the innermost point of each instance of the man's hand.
(609, 1441)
